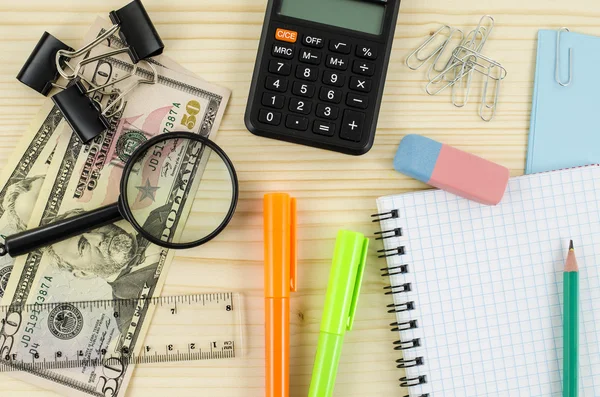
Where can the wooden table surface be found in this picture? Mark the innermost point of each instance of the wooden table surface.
(218, 40)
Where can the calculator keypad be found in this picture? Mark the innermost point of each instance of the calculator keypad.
(320, 87)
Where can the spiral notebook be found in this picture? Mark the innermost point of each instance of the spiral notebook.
(477, 290)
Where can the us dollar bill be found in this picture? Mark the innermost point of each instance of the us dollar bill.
(23, 175)
(109, 262)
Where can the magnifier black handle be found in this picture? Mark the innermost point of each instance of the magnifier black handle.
(30, 240)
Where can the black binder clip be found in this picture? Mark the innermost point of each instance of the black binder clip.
(87, 117)
(40, 72)
(83, 114)
(135, 29)
(51, 57)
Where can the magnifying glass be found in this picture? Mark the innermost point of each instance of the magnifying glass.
(178, 190)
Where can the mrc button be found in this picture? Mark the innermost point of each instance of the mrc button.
(282, 51)
(286, 35)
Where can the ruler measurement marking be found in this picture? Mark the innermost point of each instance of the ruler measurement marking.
(61, 360)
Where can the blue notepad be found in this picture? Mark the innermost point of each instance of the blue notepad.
(565, 121)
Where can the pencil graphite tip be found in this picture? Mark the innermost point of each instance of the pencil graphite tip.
(571, 263)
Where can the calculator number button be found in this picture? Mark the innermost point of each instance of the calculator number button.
(309, 73)
(352, 126)
(280, 67)
(296, 122)
(337, 62)
(363, 68)
(339, 46)
(269, 117)
(300, 106)
(366, 52)
(278, 84)
(360, 84)
(302, 89)
(273, 100)
(283, 51)
(327, 112)
(357, 101)
(323, 128)
(330, 95)
(310, 56)
(333, 78)
(312, 41)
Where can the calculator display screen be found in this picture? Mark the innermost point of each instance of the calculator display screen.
(361, 15)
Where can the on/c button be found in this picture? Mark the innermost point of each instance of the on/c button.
(286, 35)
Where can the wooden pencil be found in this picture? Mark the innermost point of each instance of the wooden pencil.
(571, 326)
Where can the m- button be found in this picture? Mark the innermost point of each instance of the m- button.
(286, 35)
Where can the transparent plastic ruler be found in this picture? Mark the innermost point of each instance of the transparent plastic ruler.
(182, 328)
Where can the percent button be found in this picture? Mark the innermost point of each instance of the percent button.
(366, 52)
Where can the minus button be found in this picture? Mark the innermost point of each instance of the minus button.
(357, 101)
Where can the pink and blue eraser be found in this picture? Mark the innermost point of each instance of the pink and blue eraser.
(452, 170)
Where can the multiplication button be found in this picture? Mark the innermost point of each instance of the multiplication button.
(360, 84)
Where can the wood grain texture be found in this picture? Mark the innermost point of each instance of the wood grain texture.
(218, 41)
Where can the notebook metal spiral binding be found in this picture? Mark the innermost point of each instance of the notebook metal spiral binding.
(400, 345)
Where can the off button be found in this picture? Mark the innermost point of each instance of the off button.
(286, 35)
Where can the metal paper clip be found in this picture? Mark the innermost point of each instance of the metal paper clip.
(480, 31)
(557, 70)
(432, 67)
(135, 29)
(436, 50)
(465, 61)
(87, 117)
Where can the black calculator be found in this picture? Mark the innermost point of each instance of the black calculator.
(320, 72)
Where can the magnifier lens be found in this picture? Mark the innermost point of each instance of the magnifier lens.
(179, 191)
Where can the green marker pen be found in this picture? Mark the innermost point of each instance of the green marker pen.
(341, 300)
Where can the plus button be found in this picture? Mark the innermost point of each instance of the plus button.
(353, 126)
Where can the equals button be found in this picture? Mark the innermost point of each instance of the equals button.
(324, 128)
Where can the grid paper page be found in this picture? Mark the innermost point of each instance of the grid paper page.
(486, 283)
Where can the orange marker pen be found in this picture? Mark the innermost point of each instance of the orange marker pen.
(280, 280)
